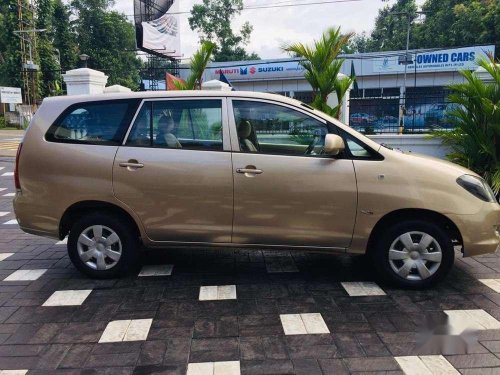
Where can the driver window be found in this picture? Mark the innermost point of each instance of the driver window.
(272, 129)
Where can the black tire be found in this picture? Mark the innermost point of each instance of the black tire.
(383, 244)
(127, 236)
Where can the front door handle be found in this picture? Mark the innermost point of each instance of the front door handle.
(131, 164)
(249, 170)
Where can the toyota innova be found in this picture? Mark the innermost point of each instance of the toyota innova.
(240, 169)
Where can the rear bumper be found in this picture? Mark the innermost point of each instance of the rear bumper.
(480, 231)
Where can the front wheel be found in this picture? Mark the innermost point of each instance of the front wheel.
(102, 245)
(414, 254)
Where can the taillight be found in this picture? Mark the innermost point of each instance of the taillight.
(16, 171)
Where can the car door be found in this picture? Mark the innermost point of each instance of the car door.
(174, 170)
(286, 192)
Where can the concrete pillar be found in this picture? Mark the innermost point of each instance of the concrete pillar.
(85, 81)
(215, 85)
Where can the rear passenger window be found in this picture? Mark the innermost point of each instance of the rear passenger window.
(182, 124)
(94, 123)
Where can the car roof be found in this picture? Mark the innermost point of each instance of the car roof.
(170, 94)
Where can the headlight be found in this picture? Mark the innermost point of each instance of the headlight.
(477, 187)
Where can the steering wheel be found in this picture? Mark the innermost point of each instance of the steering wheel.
(312, 145)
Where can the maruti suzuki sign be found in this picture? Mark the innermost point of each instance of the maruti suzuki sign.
(442, 60)
(285, 69)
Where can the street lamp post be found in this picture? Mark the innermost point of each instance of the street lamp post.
(405, 62)
(84, 58)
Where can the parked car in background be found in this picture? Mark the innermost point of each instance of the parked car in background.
(239, 169)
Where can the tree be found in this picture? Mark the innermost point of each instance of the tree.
(453, 23)
(199, 62)
(212, 21)
(49, 66)
(446, 23)
(109, 39)
(64, 38)
(322, 68)
(475, 140)
(10, 55)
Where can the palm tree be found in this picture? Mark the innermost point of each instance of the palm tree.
(199, 62)
(475, 140)
(322, 68)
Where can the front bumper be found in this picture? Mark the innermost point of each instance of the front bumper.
(480, 231)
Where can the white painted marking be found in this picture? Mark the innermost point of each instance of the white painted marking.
(126, 330)
(1, 168)
(3, 213)
(2, 189)
(4, 256)
(215, 293)
(64, 241)
(426, 365)
(8, 174)
(492, 283)
(25, 275)
(462, 320)
(303, 324)
(214, 368)
(10, 222)
(13, 372)
(9, 195)
(358, 289)
(67, 297)
(156, 270)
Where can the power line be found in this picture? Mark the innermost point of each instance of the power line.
(280, 4)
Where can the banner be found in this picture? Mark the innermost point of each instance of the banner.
(442, 60)
(11, 95)
(160, 36)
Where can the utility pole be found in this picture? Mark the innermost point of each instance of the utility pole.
(406, 60)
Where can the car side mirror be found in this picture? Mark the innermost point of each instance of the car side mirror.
(334, 144)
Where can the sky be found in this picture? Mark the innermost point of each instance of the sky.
(272, 27)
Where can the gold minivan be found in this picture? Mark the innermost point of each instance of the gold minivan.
(240, 169)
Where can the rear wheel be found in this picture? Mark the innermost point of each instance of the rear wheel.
(414, 254)
(103, 246)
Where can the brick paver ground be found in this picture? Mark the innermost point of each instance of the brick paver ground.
(366, 333)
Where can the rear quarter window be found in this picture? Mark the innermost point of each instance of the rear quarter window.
(103, 123)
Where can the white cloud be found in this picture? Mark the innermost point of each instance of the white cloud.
(274, 26)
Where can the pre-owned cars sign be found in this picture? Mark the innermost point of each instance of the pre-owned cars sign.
(11, 95)
(449, 59)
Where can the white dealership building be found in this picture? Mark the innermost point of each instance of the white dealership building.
(380, 83)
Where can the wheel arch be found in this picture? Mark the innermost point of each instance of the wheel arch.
(414, 213)
(79, 209)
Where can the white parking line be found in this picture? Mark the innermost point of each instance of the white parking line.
(67, 297)
(214, 368)
(303, 324)
(492, 283)
(358, 289)
(156, 270)
(461, 320)
(2, 189)
(10, 195)
(64, 241)
(426, 365)
(8, 174)
(13, 372)
(4, 256)
(215, 293)
(25, 275)
(126, 330)
(10, 222)
(3, 213)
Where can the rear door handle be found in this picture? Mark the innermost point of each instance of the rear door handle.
(132, 164)
(249, 170)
